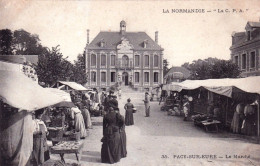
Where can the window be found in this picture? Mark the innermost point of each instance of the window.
(103, 60)
(155, 77)
(93, 60)
(146, 60)
(156, 61)
(146, 76)
(137, 60)
(244, 61)
(252, 59)
(113, 60)
(93, 76)
(103, 76)
(236, 60)
(136, 76)
(125, 61)
(113, 76)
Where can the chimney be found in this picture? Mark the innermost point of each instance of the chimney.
(156, 37)
(87, 36)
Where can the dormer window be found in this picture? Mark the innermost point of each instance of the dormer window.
(145, 43)
(102, 43)
(248, 35)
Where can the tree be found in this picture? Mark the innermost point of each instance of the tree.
(165, 67)
(19, 42)
(52, 67)
(212, 68)
(26, 43)
(6, 39)
(79, 72)
(225, 69)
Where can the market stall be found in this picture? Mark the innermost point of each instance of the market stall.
(238, 89)
(19, 97)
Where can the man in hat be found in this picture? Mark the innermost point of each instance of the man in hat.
(147, 104)
(106, 100)
(113, 102)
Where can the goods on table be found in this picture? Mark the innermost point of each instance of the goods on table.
(67, 145)
(174, 112)
(198, 118)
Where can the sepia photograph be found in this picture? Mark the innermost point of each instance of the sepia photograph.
(129, 82)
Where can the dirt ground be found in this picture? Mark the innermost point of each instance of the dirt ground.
(168, 140)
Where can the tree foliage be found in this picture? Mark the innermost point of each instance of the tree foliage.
(19, 42)
(79, 70)
(26, 43)
(212, 68)
(6, 40)
(52, 66)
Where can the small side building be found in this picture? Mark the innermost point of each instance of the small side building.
(176, 74)
(20, 63)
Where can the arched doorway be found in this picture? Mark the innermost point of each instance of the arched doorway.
(125, 78)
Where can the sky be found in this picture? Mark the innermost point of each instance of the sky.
(184, 36)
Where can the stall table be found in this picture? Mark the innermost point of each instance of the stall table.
(67, 147)
(213, 123)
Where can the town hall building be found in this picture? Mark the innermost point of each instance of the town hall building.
(124, 58)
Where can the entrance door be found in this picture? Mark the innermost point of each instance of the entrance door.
(125, 78)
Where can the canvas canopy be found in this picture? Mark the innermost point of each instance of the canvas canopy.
(21, 92)
(224, 87)
(65, 95)
(73, 85)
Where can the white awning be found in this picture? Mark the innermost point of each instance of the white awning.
(61, 93)
(220, 86)
(21, 92)
(73, 85)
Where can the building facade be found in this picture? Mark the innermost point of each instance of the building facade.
(124, 58)
(245, 49)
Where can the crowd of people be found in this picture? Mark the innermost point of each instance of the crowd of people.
(76, 119)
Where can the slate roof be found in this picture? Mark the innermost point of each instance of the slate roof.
(112, 39)
(240, 38)
(183, 70)
(254, 24)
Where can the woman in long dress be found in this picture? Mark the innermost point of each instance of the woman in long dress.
(85, 111)
(40, 147)
(129, 118)
(248, 126)
(237, 121)
(79, 121)
(122, 135)
(111, 147)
